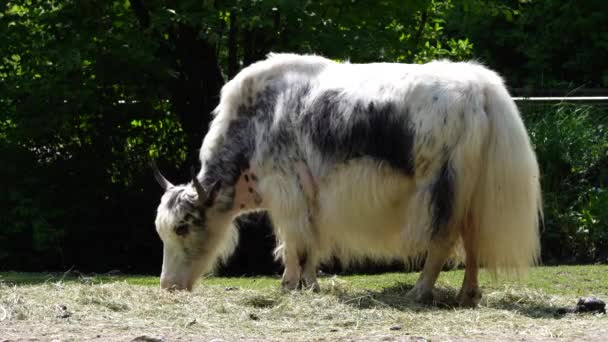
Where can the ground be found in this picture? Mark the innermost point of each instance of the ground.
(45, 307)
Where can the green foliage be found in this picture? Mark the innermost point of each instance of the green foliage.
(410, 31)
(70, 90)
(436, 42)
(90, 90)
(539, 44)
(572, 146)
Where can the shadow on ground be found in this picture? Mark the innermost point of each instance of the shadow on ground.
(445, 299)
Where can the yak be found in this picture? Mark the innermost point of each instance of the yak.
(377, 161)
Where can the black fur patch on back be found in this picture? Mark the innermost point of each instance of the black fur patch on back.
(442, 198)
(345, 131)
(280, 134)
(232, 155)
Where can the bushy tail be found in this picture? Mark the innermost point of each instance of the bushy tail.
(506, 207)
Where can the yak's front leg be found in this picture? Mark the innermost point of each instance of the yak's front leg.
(309, 264)
(300, 271)
(292, 271)
(293, 211)
(300, 262)
(309, 258)
(301, 266)
(296, 237)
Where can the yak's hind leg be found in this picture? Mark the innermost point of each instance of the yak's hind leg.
(470, 294)
(438, 253)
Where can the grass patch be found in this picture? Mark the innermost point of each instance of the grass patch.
(370, 307)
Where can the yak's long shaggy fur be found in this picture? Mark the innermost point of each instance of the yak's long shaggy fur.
(400, 153)
(381, 161)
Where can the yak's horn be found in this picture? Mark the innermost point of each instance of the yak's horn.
(202, 195)
(164, 183)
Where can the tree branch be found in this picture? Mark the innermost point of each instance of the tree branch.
(423, 19)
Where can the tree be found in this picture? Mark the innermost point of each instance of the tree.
(89, 90)
(540, 44)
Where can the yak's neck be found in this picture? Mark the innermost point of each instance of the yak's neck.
(232, 143)
(233, 139)
(227, 160)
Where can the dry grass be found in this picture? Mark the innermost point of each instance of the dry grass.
(353, 307)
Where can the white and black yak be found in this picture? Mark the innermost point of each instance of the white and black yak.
(383, 161)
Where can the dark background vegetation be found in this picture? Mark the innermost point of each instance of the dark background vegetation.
(90, 90)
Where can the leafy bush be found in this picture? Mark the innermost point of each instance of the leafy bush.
(571, 142)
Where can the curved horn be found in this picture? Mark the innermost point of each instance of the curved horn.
(202, 195)
(164, 183)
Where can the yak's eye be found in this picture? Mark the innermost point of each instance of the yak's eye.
(181, 230)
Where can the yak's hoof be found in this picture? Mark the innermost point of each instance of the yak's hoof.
(422, 296)
(469, 298)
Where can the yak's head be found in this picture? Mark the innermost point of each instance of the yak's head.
(194, 232)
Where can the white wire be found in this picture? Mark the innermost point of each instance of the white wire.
(560, 99)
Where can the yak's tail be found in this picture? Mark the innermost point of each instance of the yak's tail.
(506, 202)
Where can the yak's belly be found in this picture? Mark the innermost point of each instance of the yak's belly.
(363, 211)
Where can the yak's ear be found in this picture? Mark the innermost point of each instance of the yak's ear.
(212, 193)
